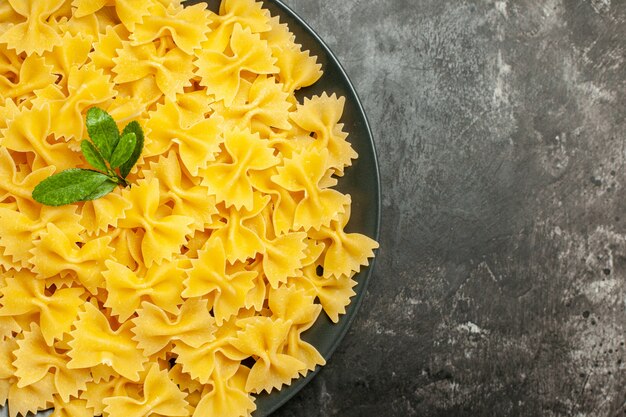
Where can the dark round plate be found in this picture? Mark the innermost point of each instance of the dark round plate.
(361, 181)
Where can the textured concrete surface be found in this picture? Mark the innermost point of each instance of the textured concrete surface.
(500, 288)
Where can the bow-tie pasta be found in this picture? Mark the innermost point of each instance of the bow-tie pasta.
(188, 293)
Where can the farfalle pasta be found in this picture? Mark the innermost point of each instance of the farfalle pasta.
(221, 72)
(31, 30)
(24, 294)
(188, 293)
(198, 141)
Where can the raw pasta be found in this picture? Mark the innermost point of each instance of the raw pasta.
(189, 292)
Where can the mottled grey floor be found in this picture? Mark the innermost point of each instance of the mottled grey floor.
(500, 288)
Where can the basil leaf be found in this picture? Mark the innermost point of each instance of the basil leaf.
(101, 190)
(103, 131)
(135, 128)
(92, 155)
(123, 150)
(68, 186)
(106, 151)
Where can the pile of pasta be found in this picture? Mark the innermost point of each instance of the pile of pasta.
(187, 293)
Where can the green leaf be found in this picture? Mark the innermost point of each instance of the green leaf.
(123, 150)
(103, 131)
(68, 186)
(132, 127)
(106, 151)
(92, 156)
(101, 190)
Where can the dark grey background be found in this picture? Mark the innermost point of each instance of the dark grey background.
(500, 285)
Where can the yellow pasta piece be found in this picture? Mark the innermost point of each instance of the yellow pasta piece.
(20, 231)
(22, 135)
(198, 143)
(97, 391)
(321, 115)
(283, 257)
(32, 33)
(72, 408)
(87, 7)
(221, 74)
(104, 50)
(160, 284)
(31, 398)
(256, 297)
(130, 12)
(8, 111)
(188, 26)
(127, 247)
(260, 106)
(240, 241)
(192, 325)
(163, 235)
(289, 302)
(208, 274)
(230, 181)
(172, 69)
(7, 347)
(313, 251)
(333, 293)
(91, 25)
(94, 343)
(193, 107)
(55, 253)
(347, 252)
(33, 74)
(72, 51)
(87, 87)
(160, 397)
(5, 386)
(186, 197)
(284, 202)
(98, 215)
(264, 338)
(183, 379)
(10, 187)
(34, 359)
(8, 16)
(62, 13)
(10, 64)
(303, 172)
(23, 294)
(278, 36)
(8, 326)
(201, 362)
(226, 396)
(5, 382)
(247, 13)
(298, 68)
